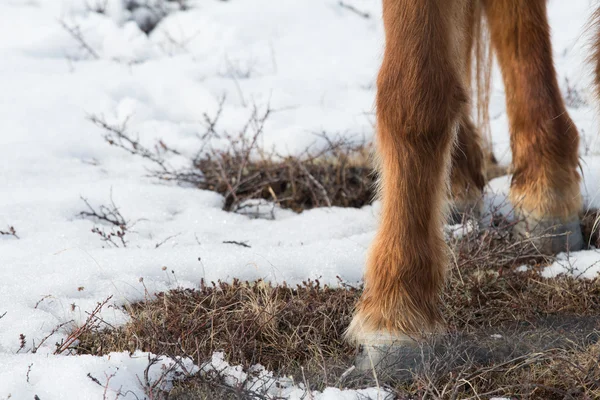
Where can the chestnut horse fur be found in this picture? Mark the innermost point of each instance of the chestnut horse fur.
(429, 151)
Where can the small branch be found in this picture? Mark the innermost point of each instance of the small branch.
(118, 136)
(322, 190)
(75, 32)
(155, 389)
(157, 245)
(29, 371)
(243, 244)
(90, 323)
(94, 379)
(35, 348)
(41, 300)
(10, 232)
(112, 216)
(349, 7)
(211, 123)
(22, 342)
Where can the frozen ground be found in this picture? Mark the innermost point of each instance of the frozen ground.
(312, 60)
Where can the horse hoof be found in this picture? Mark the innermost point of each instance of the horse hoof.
(551, 236)
(400, 362)
(399, 359)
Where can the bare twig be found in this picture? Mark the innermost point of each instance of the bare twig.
(354, 10)
(90, 323)
(243, 244)
(29, 371)
(75, 32)
(321, 189)
(10, 232)
(111, 216)
(118, 136)
(98, 6)
(35, 348)
(165, 240)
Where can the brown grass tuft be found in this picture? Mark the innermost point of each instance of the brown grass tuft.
(252, 322)
(336, 174)
(590, 227)
(510, 333)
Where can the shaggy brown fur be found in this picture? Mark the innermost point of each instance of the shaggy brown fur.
(467, 171)
(544, 140)
(595, 54)
(422, 111)
(420, 99)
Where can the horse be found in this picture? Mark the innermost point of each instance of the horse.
(428, 150)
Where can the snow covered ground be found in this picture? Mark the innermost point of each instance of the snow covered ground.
(313, 61)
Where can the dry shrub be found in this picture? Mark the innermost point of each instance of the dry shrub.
(484, 289)
(280, 327)
(338, 174)
(590, 226)
(528, 364)
(510, 333)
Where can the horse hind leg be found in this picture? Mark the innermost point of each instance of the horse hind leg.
(544, 141)
(420, 99)
(594, 58)
(467, 176)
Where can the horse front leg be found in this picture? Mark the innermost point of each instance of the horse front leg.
(420, 98)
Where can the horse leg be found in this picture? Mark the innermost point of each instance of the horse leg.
(595, 56)
(467, 175)
(544, 141)
(420, 98)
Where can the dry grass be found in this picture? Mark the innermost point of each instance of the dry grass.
(337, 174)
(251, 322)
(590, 225)
(547, 349)
(510, 333)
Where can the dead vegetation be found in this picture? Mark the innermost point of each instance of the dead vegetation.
(511, 333)
(337, 174)
(252, 322)
(590, 226)
(112, 226)
(10, 231)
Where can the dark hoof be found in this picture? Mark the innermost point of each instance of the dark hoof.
(398, 361)
(438, 356)
(551, 236)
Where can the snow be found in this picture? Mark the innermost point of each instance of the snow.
(313, 62)
(84, 377)
(581, 264)
(262, 381)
